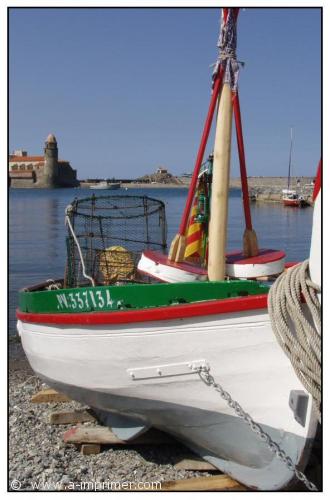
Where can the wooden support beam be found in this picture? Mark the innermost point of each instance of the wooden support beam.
(104, 435)
(70, 417)
(220, 482)
(49, 396)
(90, 449)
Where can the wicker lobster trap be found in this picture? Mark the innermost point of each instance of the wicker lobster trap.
(106, 236)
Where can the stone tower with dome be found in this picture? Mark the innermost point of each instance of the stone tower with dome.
(41, 171)
(51, 170)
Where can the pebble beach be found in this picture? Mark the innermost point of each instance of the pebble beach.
(39, 460)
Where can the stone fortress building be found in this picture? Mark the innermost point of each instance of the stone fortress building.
(41, 171)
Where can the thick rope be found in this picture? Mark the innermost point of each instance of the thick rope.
(297, 326)
(227, 43)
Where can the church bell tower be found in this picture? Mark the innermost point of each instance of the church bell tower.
(51, 162)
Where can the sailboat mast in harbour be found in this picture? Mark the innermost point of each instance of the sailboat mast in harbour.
(290, 157)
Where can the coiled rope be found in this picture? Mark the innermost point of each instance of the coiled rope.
(297, 326)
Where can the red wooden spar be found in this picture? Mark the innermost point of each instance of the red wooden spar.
(204, 139)
(242, 164)
(201, 150)
(318, 180)
(177, 248)
(250, 254)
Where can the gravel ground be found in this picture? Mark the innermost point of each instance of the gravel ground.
(38, 454)
(38, 457)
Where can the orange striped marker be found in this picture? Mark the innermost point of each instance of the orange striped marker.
(194, 237)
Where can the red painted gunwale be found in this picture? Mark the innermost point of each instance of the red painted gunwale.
(180, 311)
(264, 256)
(160, 258)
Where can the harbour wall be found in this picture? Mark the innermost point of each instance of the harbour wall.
(269, 189)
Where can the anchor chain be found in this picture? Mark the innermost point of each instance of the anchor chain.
(208, 379)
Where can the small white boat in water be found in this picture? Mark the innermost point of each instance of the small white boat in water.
(290, 197)
(105, 185)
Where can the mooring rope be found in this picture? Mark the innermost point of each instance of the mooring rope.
(297, 326)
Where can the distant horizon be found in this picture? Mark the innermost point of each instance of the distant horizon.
(126, 90)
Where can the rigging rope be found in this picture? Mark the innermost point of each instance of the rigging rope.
(297, 326)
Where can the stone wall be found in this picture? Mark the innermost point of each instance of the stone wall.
(35, 178)
(22, 183)
(272, 183)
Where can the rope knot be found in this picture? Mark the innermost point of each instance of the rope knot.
(227, 51)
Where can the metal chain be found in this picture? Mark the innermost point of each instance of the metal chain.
(208, 379)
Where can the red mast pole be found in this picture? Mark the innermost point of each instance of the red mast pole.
(201, 151)
(242, 164)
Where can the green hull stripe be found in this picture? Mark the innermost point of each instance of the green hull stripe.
(133, 297)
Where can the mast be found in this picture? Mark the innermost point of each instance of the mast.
(290, 157)
(222, 147)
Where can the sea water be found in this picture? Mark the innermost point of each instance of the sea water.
(37, 231)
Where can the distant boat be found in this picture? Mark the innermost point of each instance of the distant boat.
(105, 185)
(292, 199)
(290, 196)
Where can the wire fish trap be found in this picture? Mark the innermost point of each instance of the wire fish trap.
(106, 236)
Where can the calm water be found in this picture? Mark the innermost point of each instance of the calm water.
(37, 231)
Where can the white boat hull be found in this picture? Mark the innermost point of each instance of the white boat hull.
(122, 369)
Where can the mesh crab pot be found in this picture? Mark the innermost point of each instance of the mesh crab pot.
(106, 236)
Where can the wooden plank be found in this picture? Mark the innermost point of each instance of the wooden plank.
(49, 396)
(194, 464)
(220, 482)
(70, 417)
(104, 435)
(90, 449)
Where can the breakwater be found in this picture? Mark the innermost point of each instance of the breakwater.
(269, 189)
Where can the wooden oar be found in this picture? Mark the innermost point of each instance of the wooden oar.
(178, 244)
(220, 187)
(250, 241)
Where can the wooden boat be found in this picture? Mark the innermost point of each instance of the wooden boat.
(142, 354)
(134, 352)
(105, 185)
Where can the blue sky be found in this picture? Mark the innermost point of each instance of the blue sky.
(127, 90)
